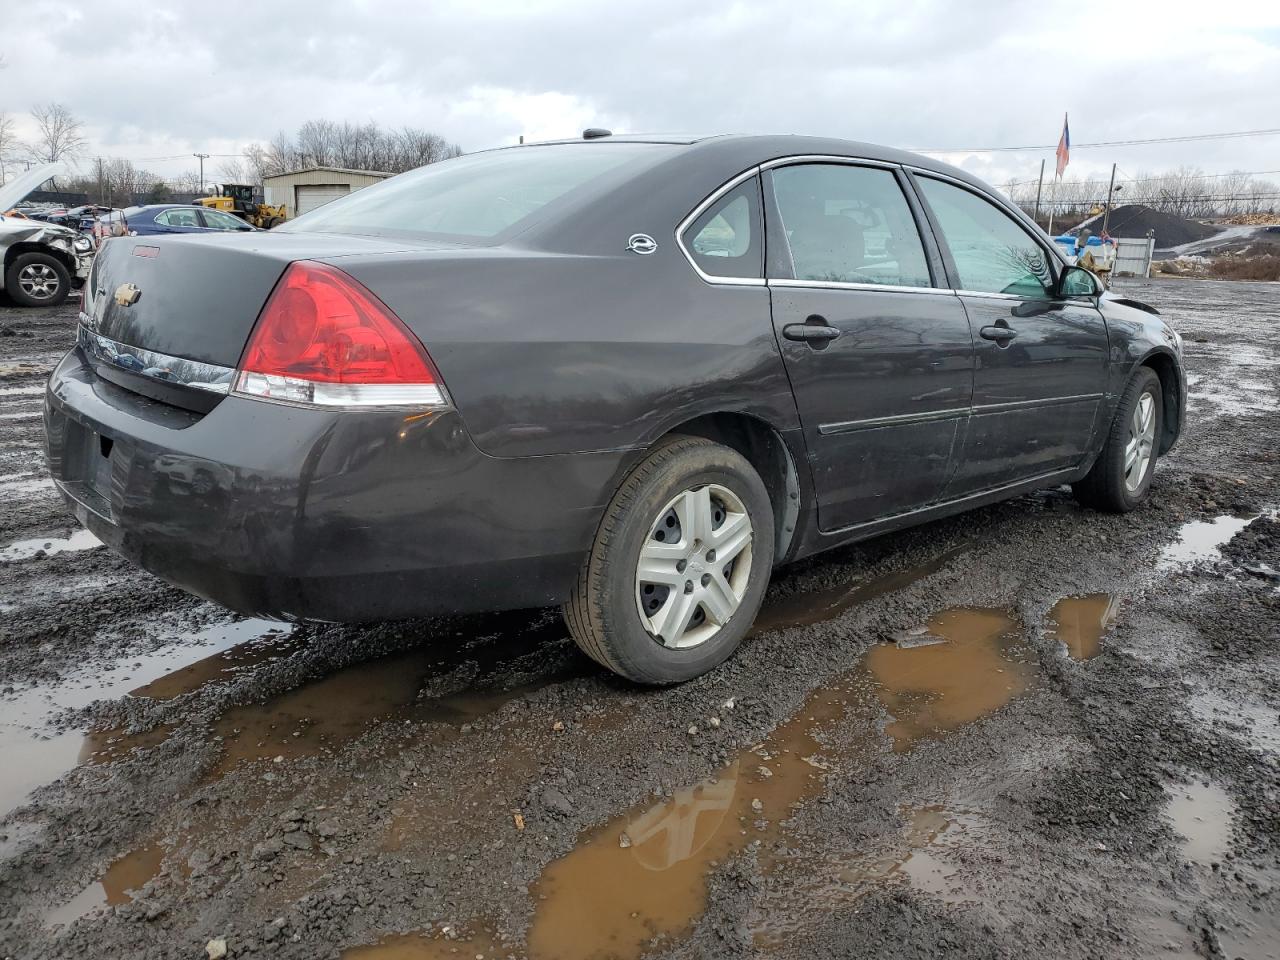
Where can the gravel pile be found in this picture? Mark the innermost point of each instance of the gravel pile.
(1134, 220)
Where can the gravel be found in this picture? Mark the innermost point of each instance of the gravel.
(482, 750)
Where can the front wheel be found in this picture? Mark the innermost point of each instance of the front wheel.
(1120, 479)
(37, 280)
(678, 567)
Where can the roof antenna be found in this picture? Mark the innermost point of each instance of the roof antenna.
(595, 133)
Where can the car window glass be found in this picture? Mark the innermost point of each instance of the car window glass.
(849, 224)
(992, 253)
(725, 241)
(222, 221)
(179, 218)
(483, 194)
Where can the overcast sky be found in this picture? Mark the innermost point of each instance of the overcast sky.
(159, 79)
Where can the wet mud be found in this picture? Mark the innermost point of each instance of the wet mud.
(1032, 730)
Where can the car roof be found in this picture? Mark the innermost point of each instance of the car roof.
(747, 150)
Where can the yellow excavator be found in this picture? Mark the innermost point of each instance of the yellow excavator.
(237, 199)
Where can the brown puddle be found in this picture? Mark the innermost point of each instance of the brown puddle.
(932, 689)
(334, 709)
(220, 666)
(643, 875)
(32, 755)
(1080, 623)
(108, 746)
(805, 609)
(125, 877)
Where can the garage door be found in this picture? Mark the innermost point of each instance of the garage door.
(318, 194)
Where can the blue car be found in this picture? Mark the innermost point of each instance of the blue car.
(159, 218)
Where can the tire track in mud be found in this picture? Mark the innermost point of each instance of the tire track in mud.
(443, 771)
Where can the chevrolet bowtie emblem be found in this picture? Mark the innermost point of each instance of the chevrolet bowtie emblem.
(127, 294)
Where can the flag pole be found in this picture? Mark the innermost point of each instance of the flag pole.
(1053, 196)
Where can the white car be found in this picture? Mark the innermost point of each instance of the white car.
(42, 261)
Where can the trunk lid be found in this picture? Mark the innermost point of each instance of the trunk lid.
(192, 298)
(198, 297)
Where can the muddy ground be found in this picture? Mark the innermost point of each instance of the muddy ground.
(1031, 731)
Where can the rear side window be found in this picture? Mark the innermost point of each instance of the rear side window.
(849, 224)
(178, 218)
(480, 195)
(726, 240)
(992, 252)
(222, 221)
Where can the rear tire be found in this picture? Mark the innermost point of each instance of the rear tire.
(1120, 479)
(687, 500)
(37, 280)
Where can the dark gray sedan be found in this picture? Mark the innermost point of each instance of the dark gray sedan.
(626, 375)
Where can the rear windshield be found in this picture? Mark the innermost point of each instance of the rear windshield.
(480, 195)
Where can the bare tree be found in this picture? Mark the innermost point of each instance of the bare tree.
(59, 135)
(358, 146)
(232, 171)
(9, 145)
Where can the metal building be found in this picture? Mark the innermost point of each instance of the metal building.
(303, 190)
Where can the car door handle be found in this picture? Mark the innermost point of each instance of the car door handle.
(810, 332)
(1000, 334)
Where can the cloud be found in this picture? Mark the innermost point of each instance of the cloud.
(175, 78)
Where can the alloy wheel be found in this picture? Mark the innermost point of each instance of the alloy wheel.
(694, 567)
(1141, 442)
(38, 281)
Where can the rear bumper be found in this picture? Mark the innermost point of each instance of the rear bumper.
(295, 513)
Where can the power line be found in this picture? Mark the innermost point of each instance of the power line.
(1189, 138)
(1155, 179)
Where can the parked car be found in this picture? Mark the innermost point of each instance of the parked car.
(626, 375)
(77, 218)
(42, 262)
(161, 218)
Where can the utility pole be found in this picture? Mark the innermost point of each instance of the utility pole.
(1106, 214)
(203, 157)
(102, 182)
(1039, 190)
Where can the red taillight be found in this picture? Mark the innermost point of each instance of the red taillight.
(323, 338)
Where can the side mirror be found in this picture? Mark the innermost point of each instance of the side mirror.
(1078, 282)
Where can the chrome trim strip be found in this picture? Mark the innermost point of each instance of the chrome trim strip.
(827, 158)
(697, 212)
(151, 363)
(841, 285)
(997, 296)
(998, 199)
(925, 171)
(901, 419)
(953, 413)
(989, 408)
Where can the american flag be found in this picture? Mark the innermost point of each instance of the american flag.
(1064, 147)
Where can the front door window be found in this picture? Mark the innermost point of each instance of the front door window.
(849, 224)
(992, 253)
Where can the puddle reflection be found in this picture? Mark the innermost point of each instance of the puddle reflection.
(327, 712)
(1079, 623)
(122, 880)
(931, 689)
(643, 875)
(1202, 815)
(1201, 540)
(806, 609)
(31, 758)
(26, 549)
